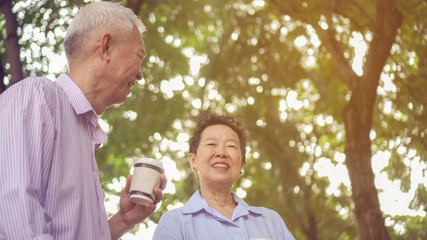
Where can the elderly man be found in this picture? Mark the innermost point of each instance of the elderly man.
(49, 186)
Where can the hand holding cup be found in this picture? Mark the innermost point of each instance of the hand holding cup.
(146, 177)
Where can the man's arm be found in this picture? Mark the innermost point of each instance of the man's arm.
(26, 138)
(130, 213)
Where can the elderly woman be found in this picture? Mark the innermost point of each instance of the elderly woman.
(217, 155)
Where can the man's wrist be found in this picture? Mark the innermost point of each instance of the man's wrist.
(118, 227)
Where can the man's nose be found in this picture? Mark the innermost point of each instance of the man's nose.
(139, 75)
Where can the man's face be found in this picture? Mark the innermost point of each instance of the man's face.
(125, 67)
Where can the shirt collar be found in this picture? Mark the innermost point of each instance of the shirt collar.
(75, 95)
(197, 203)
(82, 106)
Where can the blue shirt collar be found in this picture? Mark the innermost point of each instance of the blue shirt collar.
(197, 203)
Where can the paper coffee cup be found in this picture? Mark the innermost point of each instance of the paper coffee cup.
(146, 176)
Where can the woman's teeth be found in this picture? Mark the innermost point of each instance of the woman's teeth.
(220, 165)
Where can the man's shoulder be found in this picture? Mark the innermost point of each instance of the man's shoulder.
(33, 83)
(31, 90)
(36, 81)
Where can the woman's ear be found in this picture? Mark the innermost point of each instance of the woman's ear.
(192, 160)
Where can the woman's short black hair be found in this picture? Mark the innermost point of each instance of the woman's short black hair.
(212, 119)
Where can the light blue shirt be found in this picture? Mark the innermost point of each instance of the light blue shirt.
(196, 220)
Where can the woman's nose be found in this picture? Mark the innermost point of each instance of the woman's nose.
(220, 154)
(220, 151)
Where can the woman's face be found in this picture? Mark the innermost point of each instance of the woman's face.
(218, 159)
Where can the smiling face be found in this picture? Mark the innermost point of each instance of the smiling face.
(125, 67)
(218, 159)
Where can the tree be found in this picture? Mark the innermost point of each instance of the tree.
(29, 31)
(11, 43)
(240, 62)
(288, 70)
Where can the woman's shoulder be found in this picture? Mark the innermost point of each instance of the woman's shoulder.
(255, 209)
(172, 214)
(263, 210)
(266, 213)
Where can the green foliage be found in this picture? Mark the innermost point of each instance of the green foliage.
(41, 26)
(415, 228)
(287, 94)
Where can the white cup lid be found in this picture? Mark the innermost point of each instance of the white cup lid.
(149, 161)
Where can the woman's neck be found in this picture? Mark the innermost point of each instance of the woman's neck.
(222, 201)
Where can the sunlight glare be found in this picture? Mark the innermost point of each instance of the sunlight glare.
(388, 84)
(131, 115)
(267, 166)
(300, 41)
(241, 193)
(104, 125)
(323, 166)
(258, 4)
(339, 157)
(246, 183)
(304, 169)
(189, 80)
(380, 160)
(338, 175)
(250, 100)
(291, 100)
(196, 63)
(360, 48)
(196, 103)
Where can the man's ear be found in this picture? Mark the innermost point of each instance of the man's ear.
(105, 48)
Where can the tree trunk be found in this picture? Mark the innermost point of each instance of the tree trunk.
(135, 5)
(358, 122)
(370, 221)
(2, 75)
(12, 42)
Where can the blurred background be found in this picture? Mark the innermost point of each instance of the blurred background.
(332, 94)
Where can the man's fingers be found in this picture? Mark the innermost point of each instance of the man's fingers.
(163, 181)
(159, 195)
(127, 187)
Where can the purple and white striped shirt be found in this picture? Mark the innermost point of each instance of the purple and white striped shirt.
(49, 185)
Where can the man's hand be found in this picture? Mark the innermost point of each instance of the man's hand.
(131, 213)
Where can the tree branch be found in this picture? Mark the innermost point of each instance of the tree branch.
(363, 11)
(389, 19)
(281, 9)
(328, 37)
(135, 5)
(345, 71)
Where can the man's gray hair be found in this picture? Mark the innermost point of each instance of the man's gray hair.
(95, 16)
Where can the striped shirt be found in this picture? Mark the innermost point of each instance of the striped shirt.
(49, 185)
